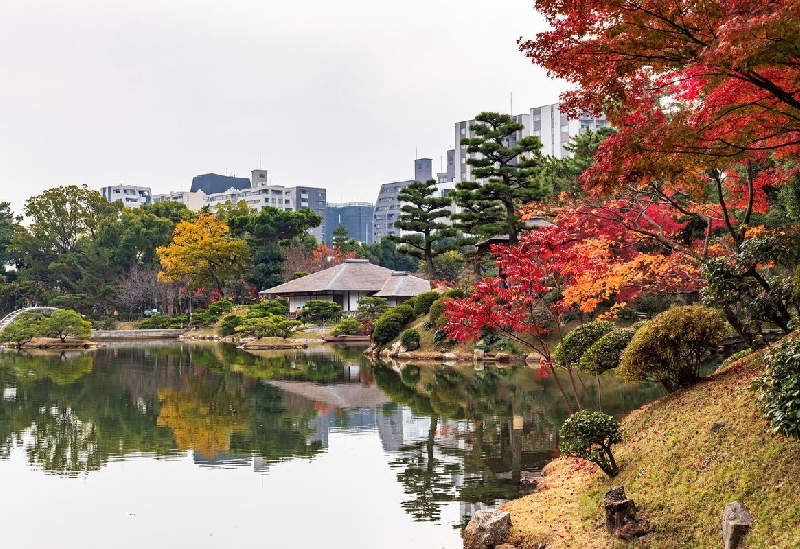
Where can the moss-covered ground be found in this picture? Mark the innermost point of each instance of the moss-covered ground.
(684, 457)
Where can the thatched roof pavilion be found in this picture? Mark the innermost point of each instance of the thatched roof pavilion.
(348, 282)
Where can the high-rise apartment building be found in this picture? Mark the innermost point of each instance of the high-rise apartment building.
(130, 195)
(356, 217)
(547, 123)
(387, 209)
(555, 129)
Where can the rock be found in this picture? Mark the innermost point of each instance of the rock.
(622, 519)
(486, 529)
(736, 522)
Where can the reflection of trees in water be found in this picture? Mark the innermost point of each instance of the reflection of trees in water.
(278, 428)
(62, 368)
(321, 366)
(426, 476)
(204, 416)
(508, 422)
(73, 414)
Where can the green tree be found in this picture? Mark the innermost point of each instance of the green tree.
(59, 217)
(423, 215)
(63, 323)
(385, 254)
(8, 226)
(268, 326)
(561, 174)
(504, 170)
(267, 233)
(319, 311)
(26, 327)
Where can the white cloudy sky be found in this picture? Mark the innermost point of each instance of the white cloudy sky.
(336, 94)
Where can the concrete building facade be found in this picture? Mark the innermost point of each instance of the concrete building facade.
(356, 217)
(131, 196)
(194, 201)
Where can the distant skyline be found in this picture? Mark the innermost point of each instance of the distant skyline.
(341, 95)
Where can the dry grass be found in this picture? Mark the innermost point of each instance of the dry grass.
(684, 457)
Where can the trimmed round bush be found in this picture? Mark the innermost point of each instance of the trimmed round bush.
(670, 348)
(606, 353)
(435, 312)
(278, 307)
(387, 328)
(589, 435)
(423, 302)
(576, 342)
(779, 388)
(404, 311)
(347, 326)
(410, 340)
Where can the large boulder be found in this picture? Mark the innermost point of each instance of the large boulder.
(736, 522)
(486, 529)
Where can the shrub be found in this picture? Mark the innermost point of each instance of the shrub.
(269, 326)
(605, 353)
(589, 435)
(387, 327)
(371, 307)
(652, 304)
(318, 311)
(779, 388)
(735, 356)
(218, 308)
(229, 323)
(162, 322)
(423, 302)
(405, 312)
(670, 348)
(576, 342)
(278, 307)
(435, 312)
(410, 340)
(201, 317)
(27, 326)
(455, 293)
(347, 326)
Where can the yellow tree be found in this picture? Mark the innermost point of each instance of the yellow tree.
(202, 252)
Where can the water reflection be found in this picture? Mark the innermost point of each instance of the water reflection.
(485, 427)
(450, 434)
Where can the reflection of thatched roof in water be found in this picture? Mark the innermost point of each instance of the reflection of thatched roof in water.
(339, 395)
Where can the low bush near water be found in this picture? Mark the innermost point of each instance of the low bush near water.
(589, 435)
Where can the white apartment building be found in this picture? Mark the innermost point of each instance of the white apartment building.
(131, 196)
(555, 129)
(547, 122)
(194, 201)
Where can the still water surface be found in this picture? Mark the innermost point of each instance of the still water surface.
(168, 445)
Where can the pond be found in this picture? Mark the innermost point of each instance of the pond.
(206, 445)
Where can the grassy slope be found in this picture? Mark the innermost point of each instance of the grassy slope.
(680, 472)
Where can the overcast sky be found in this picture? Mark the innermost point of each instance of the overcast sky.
(335, 94)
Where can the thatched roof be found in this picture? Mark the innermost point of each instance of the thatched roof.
(402, 284)
(356, 275)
